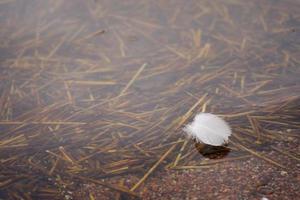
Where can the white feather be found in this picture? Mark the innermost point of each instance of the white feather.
(209, 129)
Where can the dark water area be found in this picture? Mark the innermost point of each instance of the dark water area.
(94, 95)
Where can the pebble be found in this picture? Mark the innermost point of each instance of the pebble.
(68, 197)
(283, 173)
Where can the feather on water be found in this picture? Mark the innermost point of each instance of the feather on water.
(209, 129)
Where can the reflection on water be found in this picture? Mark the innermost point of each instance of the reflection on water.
(97, 92)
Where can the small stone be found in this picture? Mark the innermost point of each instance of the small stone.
(283, 173)
(265, 190)
(68, 197)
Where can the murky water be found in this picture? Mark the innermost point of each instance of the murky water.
(94, 95)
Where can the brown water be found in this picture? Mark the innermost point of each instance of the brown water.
(93, 96)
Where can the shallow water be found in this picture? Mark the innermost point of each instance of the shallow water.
(100, 90)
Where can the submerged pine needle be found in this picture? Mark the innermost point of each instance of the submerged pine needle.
(73, 108)
(133, 79)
